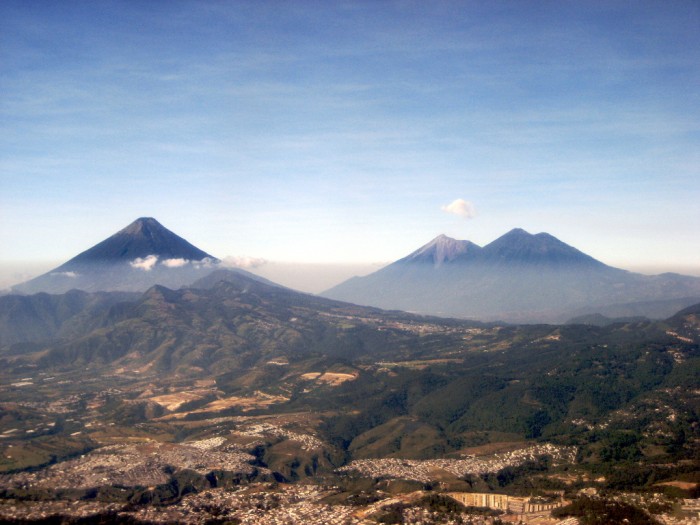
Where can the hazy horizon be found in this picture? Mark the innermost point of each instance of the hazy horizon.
(346, 132)
(305, 277)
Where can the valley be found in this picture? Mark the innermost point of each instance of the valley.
(287, 406)
(235, 400)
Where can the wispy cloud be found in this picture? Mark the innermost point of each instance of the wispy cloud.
(461, 208)
(205, 263)
(72, 275)
(243, 261)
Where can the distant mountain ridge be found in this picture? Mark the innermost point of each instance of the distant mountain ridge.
(42, 317)
(519, 277)
(133, 259)
(243, 318)
(516, 246)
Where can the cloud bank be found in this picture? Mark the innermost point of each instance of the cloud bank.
(461, 208)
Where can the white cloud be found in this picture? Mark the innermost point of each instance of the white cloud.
(207, 262)
(65, 274)
(174, 263)
(145, 263)
(243, 261)
(461, 208)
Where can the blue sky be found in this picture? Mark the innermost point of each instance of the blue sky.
(340, 132)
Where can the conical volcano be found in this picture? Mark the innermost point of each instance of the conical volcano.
(133, 259)
(541, 250)
(142, 238)
(442, 250)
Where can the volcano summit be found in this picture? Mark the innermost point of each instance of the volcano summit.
(133, 259)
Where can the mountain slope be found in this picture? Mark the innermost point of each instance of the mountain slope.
(518, 277)
(223, 322)
(133, 259)
(43, 317)
(396, 384)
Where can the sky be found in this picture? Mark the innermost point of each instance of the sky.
(351, 133)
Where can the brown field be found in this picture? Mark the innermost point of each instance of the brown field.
(330, 378)
(685, 485)
(568, 479)
(259, 401)
(419, 365)
(174, 401)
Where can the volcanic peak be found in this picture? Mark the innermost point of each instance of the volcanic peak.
(142, 238)
(140, 225)
(442, 249)
(519, 246)
(515, 247)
